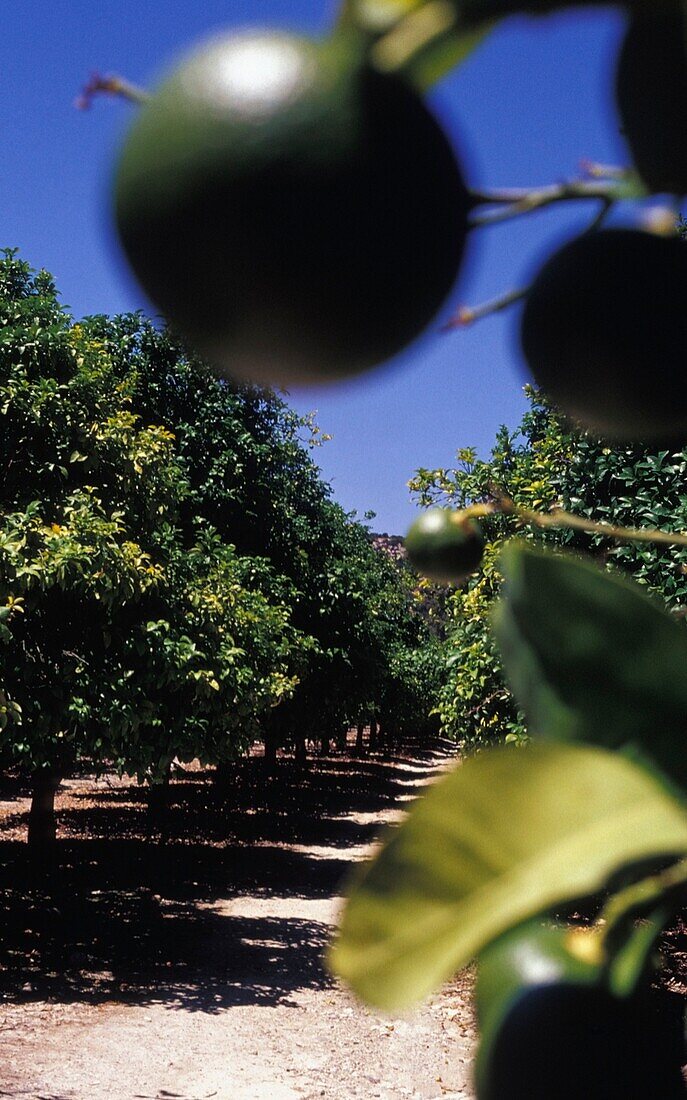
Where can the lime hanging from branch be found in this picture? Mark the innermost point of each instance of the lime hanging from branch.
(550, 1027)
(445, 545)
(604, 333)
(651, 89)
(295, 214)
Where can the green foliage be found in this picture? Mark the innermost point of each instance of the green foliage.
(249, 471)
(474, 703)
(607, 667)
(130, 631)
(629, 486)
(175, 578)
(545, 463)
(410, 686)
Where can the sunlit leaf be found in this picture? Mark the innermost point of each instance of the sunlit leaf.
(509, 834)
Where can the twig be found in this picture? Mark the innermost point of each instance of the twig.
(558, 517)
(666, 887)
(112, 86)
(604, 171)
(515, 202)
(465, 315)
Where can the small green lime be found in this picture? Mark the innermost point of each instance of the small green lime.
(604, 332)
(651, 89)
(445, 545)
(296, 215)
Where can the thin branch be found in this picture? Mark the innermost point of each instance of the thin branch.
(515, 202)
(636, 899)
(600, 216)
(466, 315)
(604, 171)
(558, 517)
(112, 86)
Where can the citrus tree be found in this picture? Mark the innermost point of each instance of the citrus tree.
(544, 464)
(248, 463)
(474, 702)
(126, 634)
(175, 580)
(229, 158)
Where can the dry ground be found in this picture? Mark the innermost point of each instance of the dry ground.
(190, 966)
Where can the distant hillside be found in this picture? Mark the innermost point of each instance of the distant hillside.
(391, 544)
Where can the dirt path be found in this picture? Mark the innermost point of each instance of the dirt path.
(192, 968)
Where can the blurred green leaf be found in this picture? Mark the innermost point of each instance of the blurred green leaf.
(592, 658)
(507, 835)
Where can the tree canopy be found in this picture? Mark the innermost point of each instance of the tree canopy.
(131, 629)
(175, 580)
(546, 462)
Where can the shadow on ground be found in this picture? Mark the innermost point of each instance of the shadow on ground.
(121, 915)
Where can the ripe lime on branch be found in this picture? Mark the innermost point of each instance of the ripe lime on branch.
(651, 87)
(295, 214)
(550, 1026)
(445, 545)
(604, 333)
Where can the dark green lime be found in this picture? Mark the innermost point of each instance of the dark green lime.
(604, 332)
(651, 89)
(551, 1029)
(444, 545)
(295, 214)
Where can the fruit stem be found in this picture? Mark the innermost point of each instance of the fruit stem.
(413, 33)
(627, 946)
(641, 897)
(373, 18)
(557, 517)
(113, 86)
(629, 958)
(465, 315)
(515, 202)
(598, 171)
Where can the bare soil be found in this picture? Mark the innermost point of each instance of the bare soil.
(188, 964)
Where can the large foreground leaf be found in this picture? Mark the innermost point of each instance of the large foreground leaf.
(507, 835)
(591, 657)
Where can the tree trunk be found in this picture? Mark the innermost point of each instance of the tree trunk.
(359, 744)
(42, 824)
(373, 734)
(158, 805)
(271, 745)
(224, 777)
(300, 753)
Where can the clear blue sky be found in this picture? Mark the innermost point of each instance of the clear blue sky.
(525, 109)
